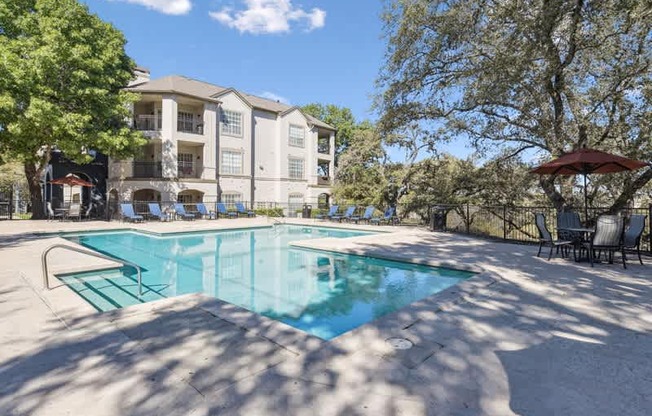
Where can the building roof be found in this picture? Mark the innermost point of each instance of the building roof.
(209, 92)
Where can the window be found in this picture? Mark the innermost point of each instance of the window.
(185, 164)
(231, 123)
(295, 168)
(231, 162)
(185, 121)
(184, 199)
(297, 135)
(230, 198)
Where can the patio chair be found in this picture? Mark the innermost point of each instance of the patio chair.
(347, 214)
(87, 213)
(546, 238)
(223, 212)
(633, 232)
(387, 217)
(128, 213)
(180, 211)
(331, 213)
(368, 213)
(608, 237)
(51, 214)
(569, 219)
(241, 210)
(155, 211)
(201, 208)
(74, 212)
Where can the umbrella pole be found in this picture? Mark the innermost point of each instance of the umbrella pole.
(586, 202)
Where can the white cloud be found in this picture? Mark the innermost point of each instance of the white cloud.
(274, 97)
(164, 6)
(269, 16)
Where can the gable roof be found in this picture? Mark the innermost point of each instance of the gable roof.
(178, 84)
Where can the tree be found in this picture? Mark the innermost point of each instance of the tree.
(544, 77)
(339, 117)
(62, 70)
(360, 176)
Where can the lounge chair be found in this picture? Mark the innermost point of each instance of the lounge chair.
(387, 217)
(223, 212)
(241, 210)
(180, 211)
(546, 238)
(155, 211)
(128, 213)
(633, 232)
(347, 214)
(201, 208)
(368, 213)
(608, 237)
(331, 213)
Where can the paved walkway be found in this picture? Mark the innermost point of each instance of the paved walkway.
(535, 338)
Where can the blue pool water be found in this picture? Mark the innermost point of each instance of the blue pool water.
(322, 293)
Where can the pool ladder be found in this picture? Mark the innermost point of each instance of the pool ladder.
(44, 263)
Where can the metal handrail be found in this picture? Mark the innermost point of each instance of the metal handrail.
(44, 263)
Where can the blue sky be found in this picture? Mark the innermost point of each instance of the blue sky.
(298, 51)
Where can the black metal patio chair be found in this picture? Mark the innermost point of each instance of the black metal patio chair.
(546, 238)
(633, 233)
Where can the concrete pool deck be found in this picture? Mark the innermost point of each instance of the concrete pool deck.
(529, 337)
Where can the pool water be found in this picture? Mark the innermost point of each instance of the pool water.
(322, 293)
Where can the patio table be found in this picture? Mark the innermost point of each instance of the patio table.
(63, 212)
(586, 236)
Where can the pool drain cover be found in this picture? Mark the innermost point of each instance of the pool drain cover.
(400, 343)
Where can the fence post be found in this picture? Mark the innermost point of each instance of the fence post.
(468, 219)
(649, 225)
(504, 222)
(11, 203)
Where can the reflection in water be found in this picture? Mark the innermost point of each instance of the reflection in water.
(324, 294)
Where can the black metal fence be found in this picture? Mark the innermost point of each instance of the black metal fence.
(516, 223)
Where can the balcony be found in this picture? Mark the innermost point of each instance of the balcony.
(147, 122)
(324, 146)
(324, 180)
(188, 126)
(147, 169)
(188, 170)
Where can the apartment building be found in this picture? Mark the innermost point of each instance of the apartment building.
(207, 142)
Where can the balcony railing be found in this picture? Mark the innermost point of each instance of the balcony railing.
(147, 169)
(193, 127)
(323, 180)
(324, 147)
(188, 170)
(147, 122)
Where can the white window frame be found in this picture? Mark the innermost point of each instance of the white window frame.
(225, 126)
(222, 164)
(231, 197)
(303, 167)
(296, 141)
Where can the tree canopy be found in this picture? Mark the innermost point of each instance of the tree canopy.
(62, 74)
(513, 76)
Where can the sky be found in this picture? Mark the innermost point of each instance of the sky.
(295, 51)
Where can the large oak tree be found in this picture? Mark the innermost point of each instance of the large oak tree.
(542, 76)
(62, 70)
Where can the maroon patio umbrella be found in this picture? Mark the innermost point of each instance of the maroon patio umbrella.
(71, 180)
(585, 162)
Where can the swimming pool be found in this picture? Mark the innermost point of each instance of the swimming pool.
(322, 293)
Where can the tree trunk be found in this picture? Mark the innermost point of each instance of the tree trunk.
(548, 185)
(33, 175)
(628, 193)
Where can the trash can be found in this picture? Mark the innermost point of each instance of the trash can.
(438, 218)
(307, 211)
